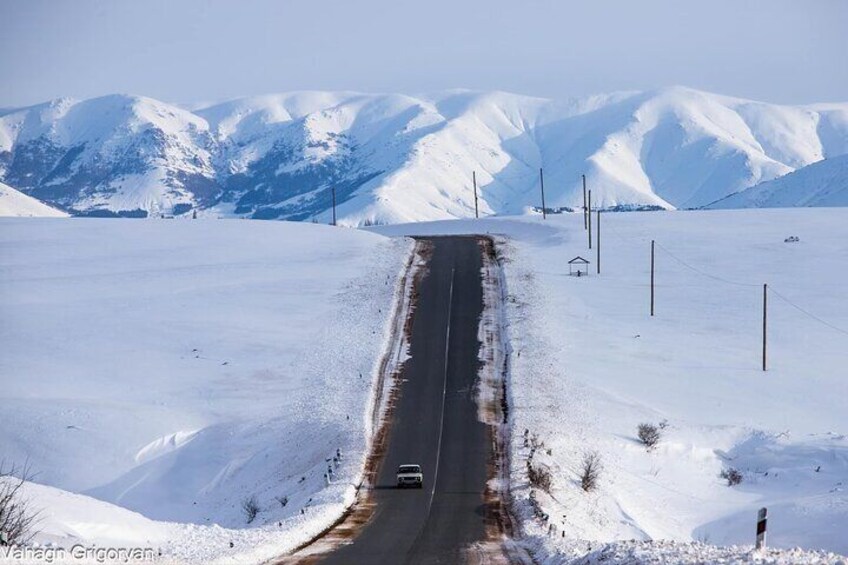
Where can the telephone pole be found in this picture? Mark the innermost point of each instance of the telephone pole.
(542, 182)
(334, 205)
(599, 241)
(765, 321)
(652, 277)
(474, 180)
(589, 214)
(585, 226)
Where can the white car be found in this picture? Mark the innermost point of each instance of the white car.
(410, 476)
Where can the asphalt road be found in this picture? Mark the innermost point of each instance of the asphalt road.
(435, 425)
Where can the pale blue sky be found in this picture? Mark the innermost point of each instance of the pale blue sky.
(791, 51)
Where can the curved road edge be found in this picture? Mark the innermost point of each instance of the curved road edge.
(493, 403)
(382, 403)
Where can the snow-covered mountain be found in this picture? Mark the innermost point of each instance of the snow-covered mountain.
(116, 153)
(824, 183)
(394, 158)
(16, 203)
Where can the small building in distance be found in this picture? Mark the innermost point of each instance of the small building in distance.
(578, 267)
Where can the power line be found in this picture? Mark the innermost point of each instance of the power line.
(811, 315)
(703, 273)
(771, 289)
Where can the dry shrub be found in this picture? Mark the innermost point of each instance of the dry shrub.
(250, 508)
(590, 471)
(540, 477)
(732, 476)
(17, 517)
(648, 434)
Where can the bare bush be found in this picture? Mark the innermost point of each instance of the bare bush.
(535, 442)
(590, 470)
(17, 517)
(540, 477)
(250, 507)
(648, 434)
(732, 476)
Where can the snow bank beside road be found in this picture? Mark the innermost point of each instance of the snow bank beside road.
(177, 368)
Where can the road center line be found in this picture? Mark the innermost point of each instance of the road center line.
(444, 394)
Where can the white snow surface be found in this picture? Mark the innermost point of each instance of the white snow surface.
(17, 204)
(114, 382)
(674, 147)
(157, 374)
(589, 364)
(824, 183)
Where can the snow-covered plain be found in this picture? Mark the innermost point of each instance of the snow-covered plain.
(157, 374)
(589, 364)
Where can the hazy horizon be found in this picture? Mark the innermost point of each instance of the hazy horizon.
(197, 51)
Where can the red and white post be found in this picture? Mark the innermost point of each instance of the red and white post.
(761, 528)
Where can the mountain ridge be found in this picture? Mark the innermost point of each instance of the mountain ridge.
(14, 203)
(394, 157)
(823, 183)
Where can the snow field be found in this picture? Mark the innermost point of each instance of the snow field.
(590, 364)
(166, 371)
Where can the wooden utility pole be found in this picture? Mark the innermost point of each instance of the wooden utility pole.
(585, 225)
(334, 205)
(765, 322)
(474, 180)
(652, 277)
(589, 214)
(599, 241)
(542, 182)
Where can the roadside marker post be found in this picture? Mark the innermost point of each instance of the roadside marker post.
(761, 528)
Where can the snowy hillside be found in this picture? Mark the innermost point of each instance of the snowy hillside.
(824, 183)
(589, 364)
(394, 158)
(158, 374)
(15, 203)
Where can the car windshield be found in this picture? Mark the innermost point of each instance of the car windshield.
(409, 469)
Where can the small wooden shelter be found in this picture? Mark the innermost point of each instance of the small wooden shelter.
(578, 267)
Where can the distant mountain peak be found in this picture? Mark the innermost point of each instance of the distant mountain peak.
(394, 157)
